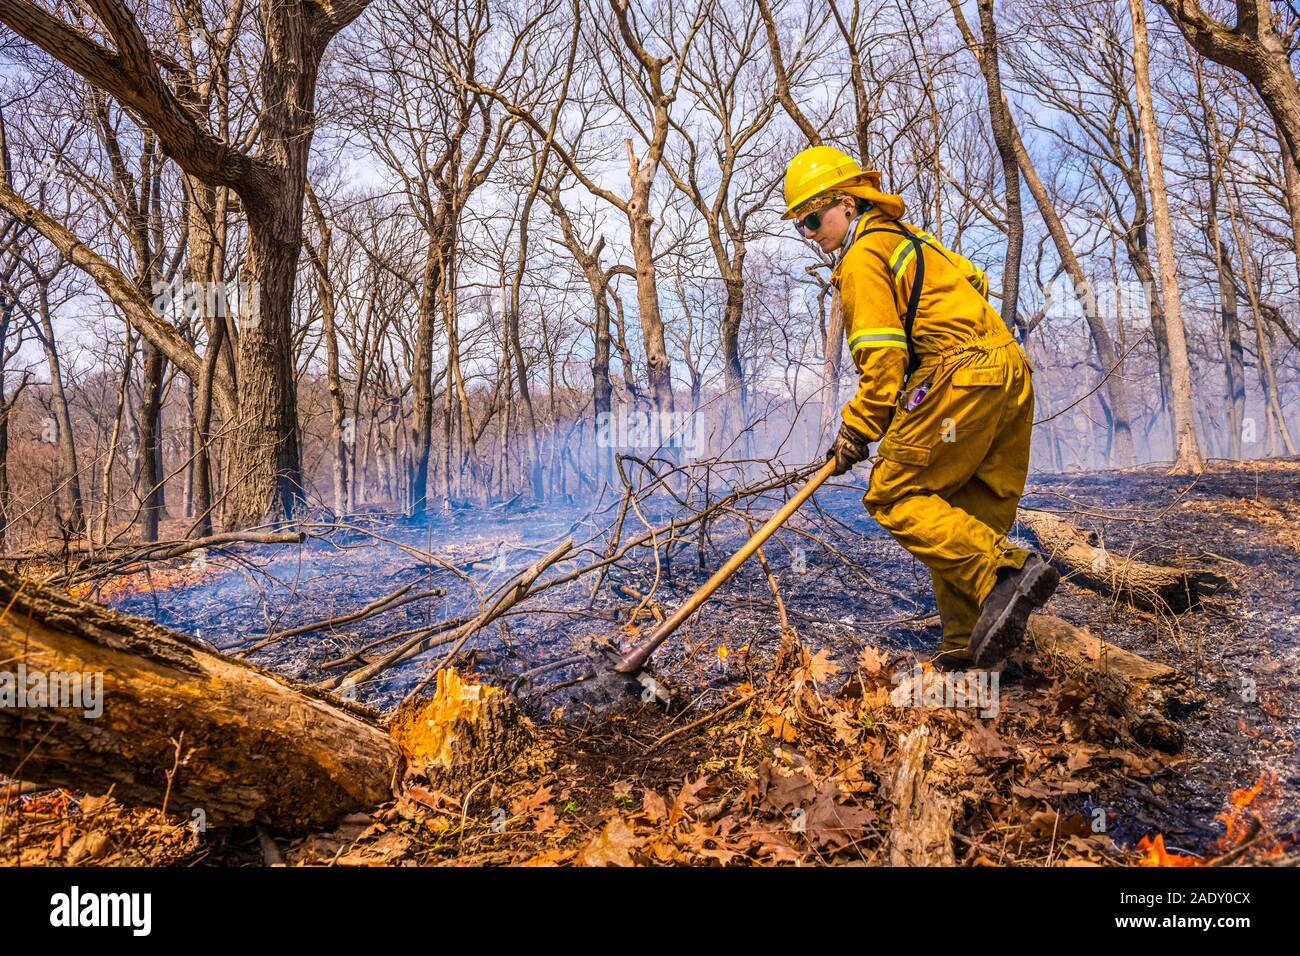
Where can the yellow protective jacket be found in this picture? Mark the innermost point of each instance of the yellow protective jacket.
(874, 276)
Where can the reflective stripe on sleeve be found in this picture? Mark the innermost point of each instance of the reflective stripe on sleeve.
(878, 338)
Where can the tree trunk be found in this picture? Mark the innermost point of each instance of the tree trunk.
(1134, 689)
(1001, 123)
(1152, 586)
(1187, 452)
(1292, 178)
(1256, 48)
(74, 516)
(148, 460)
(422, 380)
(1115, 387)
(341, 433)
(832, 362)
(268, 468)
(658, 366)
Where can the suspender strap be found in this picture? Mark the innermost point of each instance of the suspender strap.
(914, 298)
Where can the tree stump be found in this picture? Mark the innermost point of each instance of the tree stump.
(464, 735)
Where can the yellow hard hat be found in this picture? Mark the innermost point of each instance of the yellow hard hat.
(820, 168)
(814, 171)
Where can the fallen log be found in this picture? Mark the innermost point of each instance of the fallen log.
(1133, 688)
(1078, 554)
(160, 718)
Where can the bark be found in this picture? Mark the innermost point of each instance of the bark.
(1230, 325)
(1001, 122)
(293, 37)
(1076, 553)
(339, 433)
(781, 74)
(1187, 452)
(832, 362)
(422, 382)
(1291, 174)
(1137, 691)
(920, 824)
(461, 735)
(588, 260)
(148, 466)
(658, 366)
(1267, 374)
(242, 744)
(73, 512)
(1233, 354)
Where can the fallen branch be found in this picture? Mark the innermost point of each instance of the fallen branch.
(1076, 553)
(388, 602)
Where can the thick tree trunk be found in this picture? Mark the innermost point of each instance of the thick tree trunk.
(268, 468)
(1256, 48)
(1292, 179)
(240, 744)
(658, 365)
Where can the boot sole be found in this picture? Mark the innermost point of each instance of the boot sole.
(1006, 633)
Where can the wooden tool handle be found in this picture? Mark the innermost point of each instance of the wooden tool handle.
(636, 658)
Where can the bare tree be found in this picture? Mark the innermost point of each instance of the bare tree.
(1187, 452)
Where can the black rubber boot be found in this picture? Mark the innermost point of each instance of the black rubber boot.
(1005, 613)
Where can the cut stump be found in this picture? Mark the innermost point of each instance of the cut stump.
(464, 735)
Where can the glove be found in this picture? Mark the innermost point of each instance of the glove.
(849, 448)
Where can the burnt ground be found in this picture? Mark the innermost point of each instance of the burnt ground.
(851, 594)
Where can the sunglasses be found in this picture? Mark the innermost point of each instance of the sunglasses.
(812, 221)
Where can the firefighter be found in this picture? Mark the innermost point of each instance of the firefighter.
(945, 389)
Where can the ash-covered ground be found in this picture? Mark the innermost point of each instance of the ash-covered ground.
(844, 584)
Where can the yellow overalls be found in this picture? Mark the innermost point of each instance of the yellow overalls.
(949, 473)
